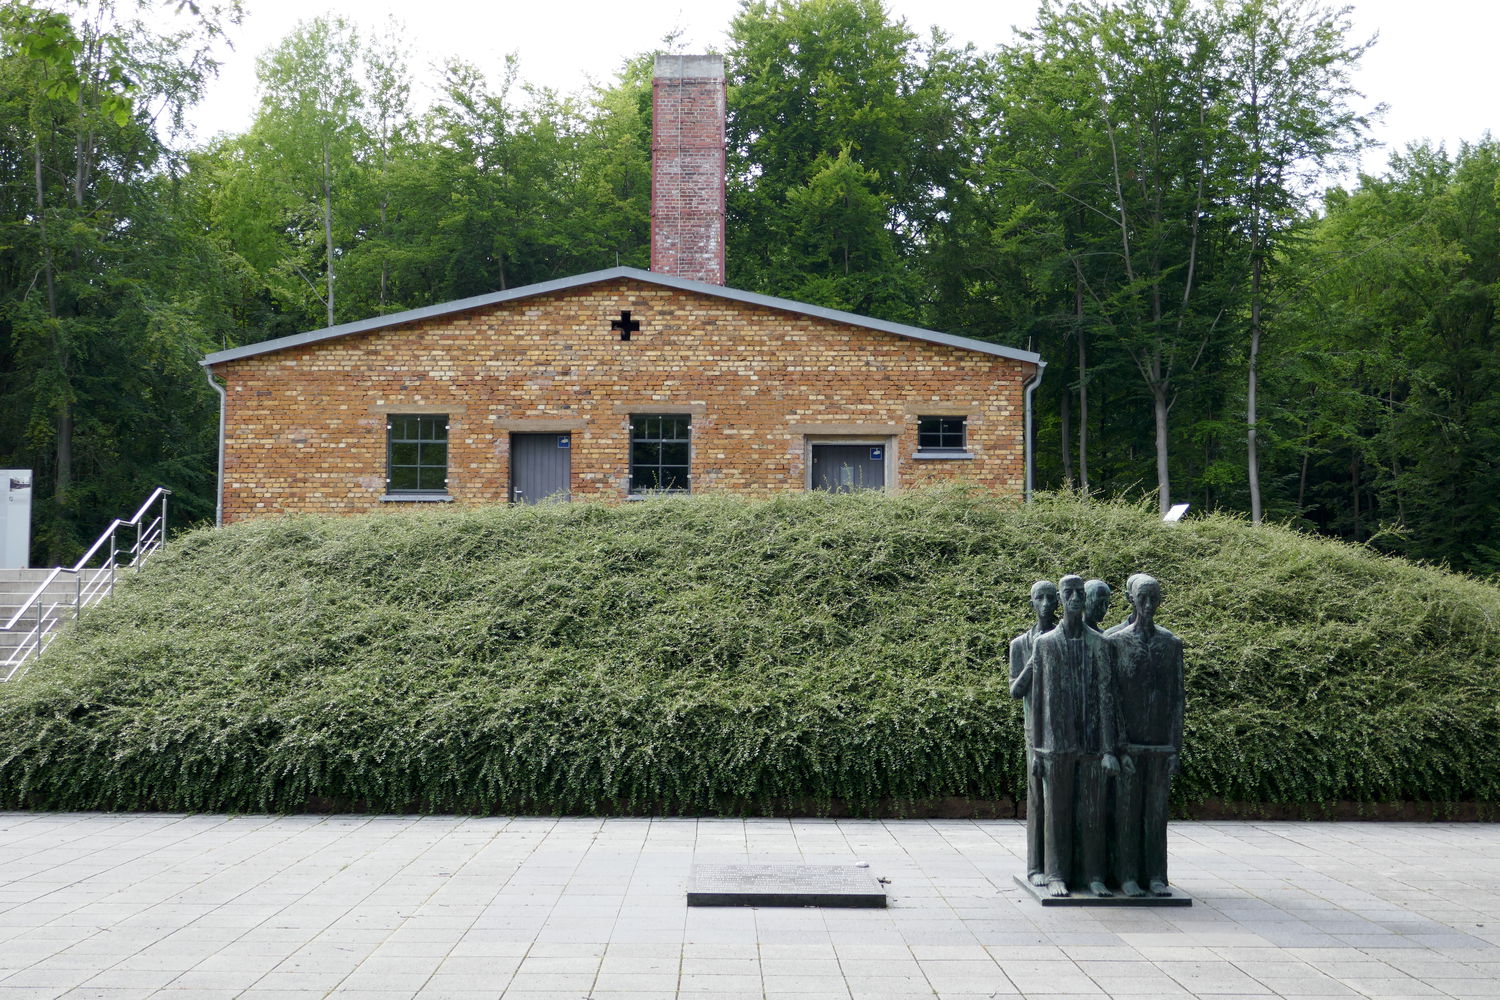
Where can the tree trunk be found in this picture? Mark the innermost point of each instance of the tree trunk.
(1257, 264)
(1083, 391)
(1302, 484)
(1163, 483)
(385, 198)
(83, 146)
(1396, 461)
(1252, 439)
(63, 455)
(48, 273)
(1154, 380)
(385, 266)
(1354, 496)
(1065, 412)
(1208, 461)
(328, 228)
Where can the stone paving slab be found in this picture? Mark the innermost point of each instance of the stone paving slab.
(118, 907)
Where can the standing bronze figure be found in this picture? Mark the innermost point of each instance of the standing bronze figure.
(1151, 699)
(1096, 594)
(1044, 606)
(1129, 615)
(1070, 677)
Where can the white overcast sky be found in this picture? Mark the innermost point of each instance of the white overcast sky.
(1434, 64)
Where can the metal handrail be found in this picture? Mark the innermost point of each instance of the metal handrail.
(89, 583)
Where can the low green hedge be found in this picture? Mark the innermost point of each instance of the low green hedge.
(714, 654)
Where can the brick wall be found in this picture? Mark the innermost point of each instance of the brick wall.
(306, 426)
(687, 167)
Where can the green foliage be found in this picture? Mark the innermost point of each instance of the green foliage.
(1392, 331)
(108, 284)
(711, 654)
(48, 39)
(844, 136)
(498, 184)
(1140, 161)
(299, 172)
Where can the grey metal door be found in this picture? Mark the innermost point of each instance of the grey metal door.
(841, 468)
(541, 466)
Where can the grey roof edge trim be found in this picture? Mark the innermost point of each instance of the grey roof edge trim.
(414, 315)
(610, 274)
(837, 316)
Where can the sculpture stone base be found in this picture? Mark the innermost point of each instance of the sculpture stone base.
(1082, 897)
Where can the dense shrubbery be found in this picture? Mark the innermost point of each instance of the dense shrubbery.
(715, 654)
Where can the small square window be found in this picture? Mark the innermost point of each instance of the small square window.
(941, 433)
(659, 452)
(416, 453)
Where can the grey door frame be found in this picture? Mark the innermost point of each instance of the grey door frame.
(567, 494)
(810, 441)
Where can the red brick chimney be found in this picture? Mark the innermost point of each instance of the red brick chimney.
(687, 167)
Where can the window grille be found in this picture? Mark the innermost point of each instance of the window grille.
(941, 433)
(416, 453)
(660, 453)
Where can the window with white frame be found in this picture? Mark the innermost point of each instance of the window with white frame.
(416, 453)
(941, 434)
(660, 452)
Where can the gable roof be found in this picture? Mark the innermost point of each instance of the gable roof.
(610, 274)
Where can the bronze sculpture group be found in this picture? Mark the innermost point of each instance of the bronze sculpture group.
(1103, 716)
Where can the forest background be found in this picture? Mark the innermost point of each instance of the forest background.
(1135, 189)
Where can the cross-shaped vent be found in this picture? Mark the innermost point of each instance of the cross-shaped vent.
(625, 324)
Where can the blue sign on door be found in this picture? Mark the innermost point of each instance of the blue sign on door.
(565, 440)
(877, 454)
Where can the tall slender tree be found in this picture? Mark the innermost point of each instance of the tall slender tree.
(1287, 69)
(389, 126)
(1128, 172)
(305, 150)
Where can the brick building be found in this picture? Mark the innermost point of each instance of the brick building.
(619, 383)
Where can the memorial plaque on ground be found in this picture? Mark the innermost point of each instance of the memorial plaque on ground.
(785, 885)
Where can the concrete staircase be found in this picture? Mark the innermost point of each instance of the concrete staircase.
(68, 590)
(16, 586)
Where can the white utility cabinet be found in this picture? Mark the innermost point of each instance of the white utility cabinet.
(15, 519)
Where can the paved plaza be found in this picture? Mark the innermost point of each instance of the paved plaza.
(116, 907)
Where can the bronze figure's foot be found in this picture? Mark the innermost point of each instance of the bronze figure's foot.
(1100, 889)
(1132, 888)
(1057, 887)
(1037, 878)
(1159, 887)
